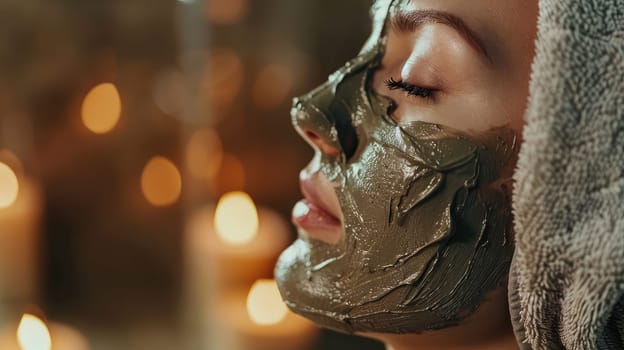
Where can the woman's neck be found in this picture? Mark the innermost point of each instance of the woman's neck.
(488, 328)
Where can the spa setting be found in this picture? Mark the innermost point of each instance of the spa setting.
(312, 175)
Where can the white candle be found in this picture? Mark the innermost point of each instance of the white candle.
(234, 245)
(259, 320)
(243, 247)
(33, 334)
(20, 212)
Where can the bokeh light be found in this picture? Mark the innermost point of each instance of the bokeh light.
(272, 86)
(101, 108)
(12, 160)
(204, 154)
(222, 78)
(33, 334)
(169, 93)
(236, 218)
(161, 182)
(226, 12)
(9, 186)
(264, 304)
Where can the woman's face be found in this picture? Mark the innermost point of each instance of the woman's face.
(405, 225)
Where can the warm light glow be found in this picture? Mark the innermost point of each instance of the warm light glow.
(101, 108)
(204, 154)
(12, 160)
(266, 92)
(161, 182)
(236, 218)
(222, 78)
(264, 303)
(170, 93)
(9, 187)
(33, 334)
(231, 175)
(226, 11)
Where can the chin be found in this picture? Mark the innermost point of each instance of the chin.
(327, 302)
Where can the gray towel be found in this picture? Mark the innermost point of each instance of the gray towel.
(567, 279)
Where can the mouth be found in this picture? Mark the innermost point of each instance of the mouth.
(317, 215)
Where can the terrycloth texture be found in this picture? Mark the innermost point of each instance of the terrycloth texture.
(569, 196)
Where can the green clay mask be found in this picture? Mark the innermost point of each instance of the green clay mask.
(426, 223)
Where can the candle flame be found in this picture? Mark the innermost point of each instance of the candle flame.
(9, 186)
(101, 108)
(161, 182)
(33, 334)
(236, 218)
(264, 303)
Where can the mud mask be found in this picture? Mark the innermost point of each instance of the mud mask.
(427, 228)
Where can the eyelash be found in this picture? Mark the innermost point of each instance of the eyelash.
(411, 89)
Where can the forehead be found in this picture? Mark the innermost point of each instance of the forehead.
(503, 26)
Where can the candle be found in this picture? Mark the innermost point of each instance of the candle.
(226, 249)
(33, 334)
(235, 243)
(259, 320)
(20, 211)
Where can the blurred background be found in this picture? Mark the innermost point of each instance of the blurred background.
(148, 168)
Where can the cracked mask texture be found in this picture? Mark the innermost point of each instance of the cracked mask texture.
(426, 227)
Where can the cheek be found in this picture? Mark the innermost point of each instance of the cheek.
(481, 111)
(475, 111)
(506, 102)
(515, 94)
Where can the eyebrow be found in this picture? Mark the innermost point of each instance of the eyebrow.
(410, 21)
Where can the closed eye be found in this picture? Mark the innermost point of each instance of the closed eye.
(411, 89)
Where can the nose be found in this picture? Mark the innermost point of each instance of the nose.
(320, 143)
(323, 124)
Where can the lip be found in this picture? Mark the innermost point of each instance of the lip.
(314, 214)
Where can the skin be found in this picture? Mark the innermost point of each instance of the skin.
(478, 102)
(495, 91)
(475, 95)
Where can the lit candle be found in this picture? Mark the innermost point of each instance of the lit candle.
(261, 321)
(226, 249)
(236, 243)
(20, 211)
(33, 334)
